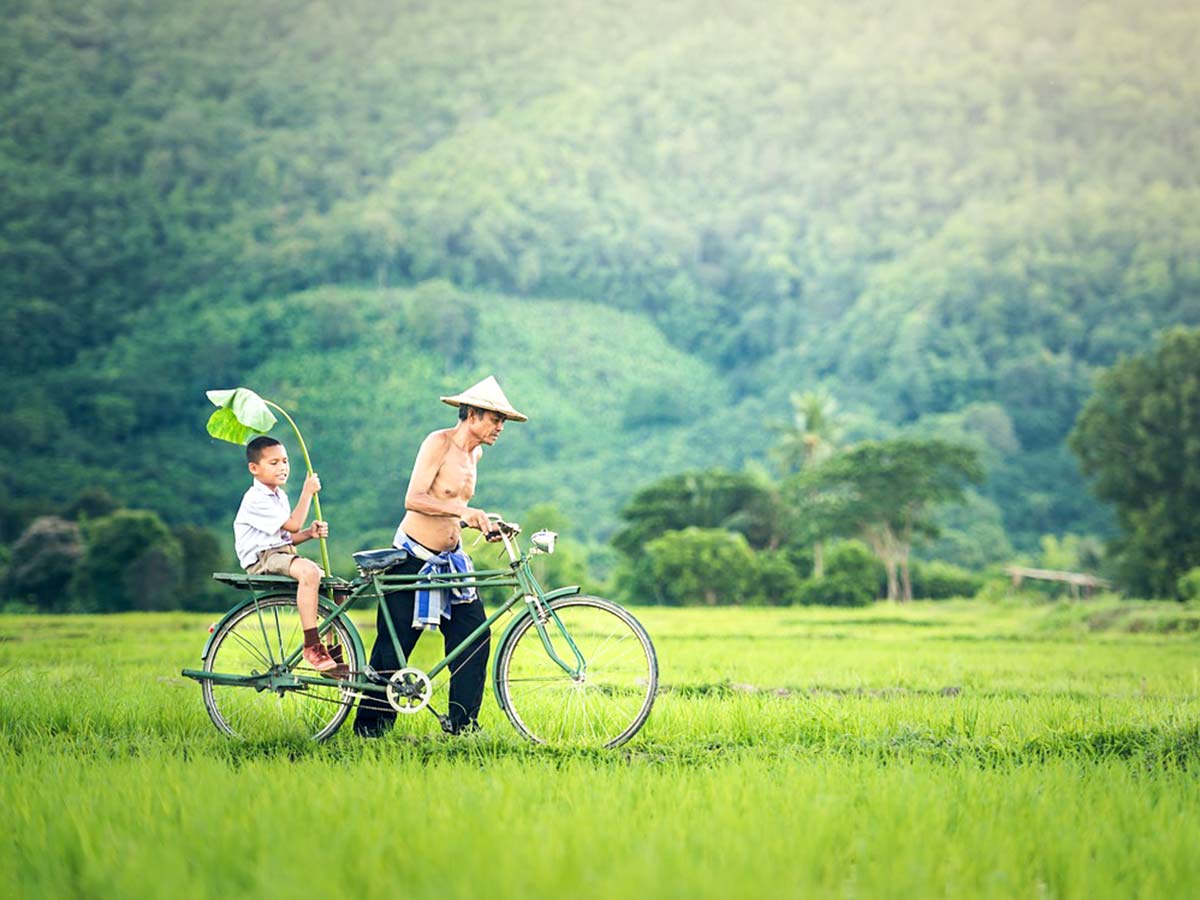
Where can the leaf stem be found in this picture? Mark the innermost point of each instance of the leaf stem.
(308, 467)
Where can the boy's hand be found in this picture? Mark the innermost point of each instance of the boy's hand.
(318, 529)
(312, 484)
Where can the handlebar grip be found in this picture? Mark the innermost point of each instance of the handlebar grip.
(501, 526)
(487, 534)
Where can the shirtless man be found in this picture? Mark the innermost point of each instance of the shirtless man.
(436, 509)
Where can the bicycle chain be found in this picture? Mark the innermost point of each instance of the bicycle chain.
(369, 702)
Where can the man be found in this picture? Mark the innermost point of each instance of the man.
(437, 506)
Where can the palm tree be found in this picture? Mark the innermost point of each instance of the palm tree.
(809, 438)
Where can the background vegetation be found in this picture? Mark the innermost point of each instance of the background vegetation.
(654, 226)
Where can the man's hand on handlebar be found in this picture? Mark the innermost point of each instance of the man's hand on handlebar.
(493, 527)
(478, 519)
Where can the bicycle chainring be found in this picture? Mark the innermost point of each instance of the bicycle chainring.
(409, 691)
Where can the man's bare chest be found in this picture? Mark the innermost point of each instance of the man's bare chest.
(456, 476)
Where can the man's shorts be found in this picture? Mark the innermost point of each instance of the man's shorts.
(274, 561)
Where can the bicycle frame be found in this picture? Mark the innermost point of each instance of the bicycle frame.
(375, 586)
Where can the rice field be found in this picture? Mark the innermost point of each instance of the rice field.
(938, 750)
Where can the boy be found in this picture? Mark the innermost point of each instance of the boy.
(266, 530)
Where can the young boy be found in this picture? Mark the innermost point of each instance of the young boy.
(266, 530)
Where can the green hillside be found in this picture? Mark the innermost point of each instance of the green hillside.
(589, 379)
(652, 223)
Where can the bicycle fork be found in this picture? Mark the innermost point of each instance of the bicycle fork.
(542, 615)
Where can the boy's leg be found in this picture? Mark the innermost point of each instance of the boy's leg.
(374, 715)
(308, 576)
(469, 671)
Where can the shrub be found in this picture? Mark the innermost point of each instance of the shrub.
(938, 580)
(835, 590)
(701, 565)
(853, 577)
(776, 581)
(800, 557)
(854, 560)
(1188, 585)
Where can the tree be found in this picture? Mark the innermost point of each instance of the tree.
(201, 557)
(1138, 437)
(133, 561)
(44, 558)
(92, 503)
(885, 492)
(812, 435)
(713, 498)
(810, 438)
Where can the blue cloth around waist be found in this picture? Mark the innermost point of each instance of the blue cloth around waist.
(430, 605)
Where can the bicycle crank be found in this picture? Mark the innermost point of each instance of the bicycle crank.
(409, 691)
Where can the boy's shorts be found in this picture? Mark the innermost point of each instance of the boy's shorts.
(274, 561)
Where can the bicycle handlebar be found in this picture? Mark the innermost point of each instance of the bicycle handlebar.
(508, 527)
(502, 527)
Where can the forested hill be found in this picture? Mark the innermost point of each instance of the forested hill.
(652, 221)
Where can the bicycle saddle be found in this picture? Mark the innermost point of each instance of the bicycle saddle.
(375, 560)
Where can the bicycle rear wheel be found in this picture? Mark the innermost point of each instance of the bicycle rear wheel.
(606, 703)
(255, 641)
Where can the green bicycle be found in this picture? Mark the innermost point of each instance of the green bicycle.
(569, 668)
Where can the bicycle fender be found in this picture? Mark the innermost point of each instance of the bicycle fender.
(547, 597)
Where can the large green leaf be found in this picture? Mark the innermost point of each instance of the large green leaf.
(241, 414)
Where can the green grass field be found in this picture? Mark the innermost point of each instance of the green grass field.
(958, 750)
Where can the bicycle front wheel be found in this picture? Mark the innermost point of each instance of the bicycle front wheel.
(606, 702)
(255, 641)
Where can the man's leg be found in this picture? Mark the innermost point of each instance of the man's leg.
(374, 715)
(469, 671)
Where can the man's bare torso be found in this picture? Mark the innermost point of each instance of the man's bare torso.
(453, 482)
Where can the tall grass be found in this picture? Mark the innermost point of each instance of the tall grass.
(939, 750)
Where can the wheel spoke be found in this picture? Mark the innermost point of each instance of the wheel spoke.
(278, 633)
(252, 648)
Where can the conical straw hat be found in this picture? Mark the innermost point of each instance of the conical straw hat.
(487, 395)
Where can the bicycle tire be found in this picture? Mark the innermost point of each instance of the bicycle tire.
(241, 648)
(608, 705)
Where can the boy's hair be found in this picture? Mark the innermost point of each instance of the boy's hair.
(257, 447)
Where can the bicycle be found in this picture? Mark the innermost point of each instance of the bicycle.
(570, 668)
